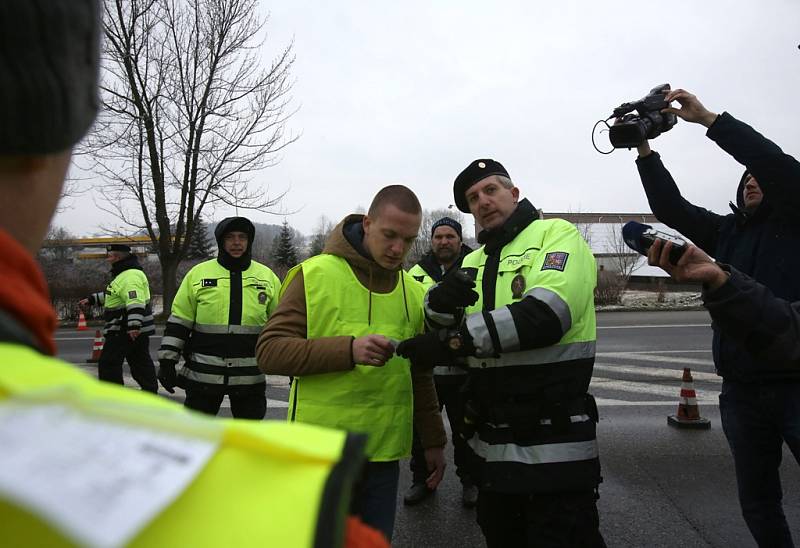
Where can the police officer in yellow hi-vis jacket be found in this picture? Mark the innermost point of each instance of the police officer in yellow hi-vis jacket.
(90, 463)
(129, 320)
(528, 337)
(220, 308)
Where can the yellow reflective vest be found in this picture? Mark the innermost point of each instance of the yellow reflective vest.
(377, 401)
(264, 483)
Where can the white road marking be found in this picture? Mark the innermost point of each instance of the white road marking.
(674, 374)
(653, 326)
(654, 358)
(667, 391)
(605, 402)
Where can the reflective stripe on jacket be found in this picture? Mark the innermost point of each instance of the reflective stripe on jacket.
(216, 317)
(534, 423)
(377, 401)
(126, 303)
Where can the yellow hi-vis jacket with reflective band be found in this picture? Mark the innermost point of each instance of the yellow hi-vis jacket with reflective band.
(216, 318)
(537, 431)
(419, 274)
(377, 401)
(126, 303)
(264, 483)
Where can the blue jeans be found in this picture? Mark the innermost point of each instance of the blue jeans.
(375, 496)
(757, 419)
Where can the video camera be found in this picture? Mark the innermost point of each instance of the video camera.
(630, 130)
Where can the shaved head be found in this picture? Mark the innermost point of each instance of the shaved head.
(399, 196)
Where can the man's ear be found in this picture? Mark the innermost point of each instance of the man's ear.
(515, 194)
(366, 222)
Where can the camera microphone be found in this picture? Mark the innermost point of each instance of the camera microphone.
(640, 237)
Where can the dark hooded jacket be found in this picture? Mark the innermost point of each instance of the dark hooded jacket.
(433, 268)
(284, 349)
(234, 224)
(762, 244)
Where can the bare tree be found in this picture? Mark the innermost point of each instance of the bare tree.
(320, 235)
(189, 114)
(622, 259)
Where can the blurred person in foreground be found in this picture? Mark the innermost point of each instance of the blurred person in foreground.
(85, 462)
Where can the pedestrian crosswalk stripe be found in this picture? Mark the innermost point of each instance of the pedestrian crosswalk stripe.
(655, 372)
(653, 358)
(665, 390)
(607, 402)
(652, 326)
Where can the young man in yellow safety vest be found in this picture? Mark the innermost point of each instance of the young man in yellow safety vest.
(333, 331)
(89, 463)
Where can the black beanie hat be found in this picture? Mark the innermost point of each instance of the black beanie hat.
(49, 62)
(475, 172)
(447, 221)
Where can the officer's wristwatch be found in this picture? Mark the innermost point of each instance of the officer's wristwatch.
(453, 339)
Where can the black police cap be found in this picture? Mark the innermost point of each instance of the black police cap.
(475, 172)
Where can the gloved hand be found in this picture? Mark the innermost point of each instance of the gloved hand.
(456, 290)
(434, 348)
(425, 351)
(167, 376)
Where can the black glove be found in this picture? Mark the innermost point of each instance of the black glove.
(456, 290)
(167, 376)
(439, 347)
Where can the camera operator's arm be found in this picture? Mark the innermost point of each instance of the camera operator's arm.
(743, 309)
(777, 173)
(696, 223)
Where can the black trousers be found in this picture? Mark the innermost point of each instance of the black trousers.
(118, 348)
(448, 390)
(563, 520)
(246, 405)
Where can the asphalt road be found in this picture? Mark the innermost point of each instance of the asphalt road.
(662, 486)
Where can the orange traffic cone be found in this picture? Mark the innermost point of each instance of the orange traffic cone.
(688, 412)
(97, 348)
(82, 321)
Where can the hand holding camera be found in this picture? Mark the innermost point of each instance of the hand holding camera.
(692, 110)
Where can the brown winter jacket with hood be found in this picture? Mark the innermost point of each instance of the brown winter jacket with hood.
(283, 347)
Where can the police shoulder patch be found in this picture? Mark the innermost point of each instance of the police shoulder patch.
(131, 294)
(555, 260)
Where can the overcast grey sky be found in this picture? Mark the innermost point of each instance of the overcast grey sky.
(410, 92)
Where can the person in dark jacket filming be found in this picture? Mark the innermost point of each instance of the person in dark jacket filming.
(758, 239)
